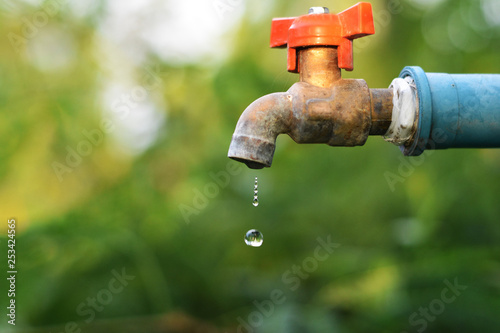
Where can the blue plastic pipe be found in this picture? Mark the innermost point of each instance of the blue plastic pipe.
(455, 110)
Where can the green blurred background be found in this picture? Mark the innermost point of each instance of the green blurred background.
(116, 119)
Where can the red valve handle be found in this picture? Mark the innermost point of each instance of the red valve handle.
(323, 29)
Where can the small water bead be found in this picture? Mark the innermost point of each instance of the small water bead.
(255, 200)
(254, 238)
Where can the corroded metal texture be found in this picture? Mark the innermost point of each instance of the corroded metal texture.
(331, 115)
(381, 110)
(255, 135)
(321, 108)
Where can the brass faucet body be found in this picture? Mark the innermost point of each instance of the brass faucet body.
(321, 108)
(344, 111)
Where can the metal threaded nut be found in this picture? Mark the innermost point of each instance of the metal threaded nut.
(318, 10)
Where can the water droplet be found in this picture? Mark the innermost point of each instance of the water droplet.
(255, 201)
(254, 238)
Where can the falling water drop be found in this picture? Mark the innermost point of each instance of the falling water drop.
(254, 238)
(255, 200)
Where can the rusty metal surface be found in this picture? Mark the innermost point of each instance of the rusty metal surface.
(381, 100)
(321, 108)
(255, 135)
(331, 115)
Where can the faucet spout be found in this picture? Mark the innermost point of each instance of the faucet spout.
(254, 138)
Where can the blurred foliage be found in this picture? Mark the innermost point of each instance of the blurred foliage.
(121, 210)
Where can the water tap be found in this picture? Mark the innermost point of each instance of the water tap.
(322, 107)
(419, 111)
